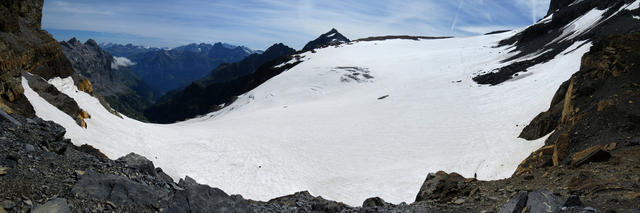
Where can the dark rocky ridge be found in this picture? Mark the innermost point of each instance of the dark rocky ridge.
(415, 38)
(540, 37)
(120, 87)
(332, 37)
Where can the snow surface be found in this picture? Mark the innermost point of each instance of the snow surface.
(634, 5)
(307, 129)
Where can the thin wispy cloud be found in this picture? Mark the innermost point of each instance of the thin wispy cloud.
(260, 23)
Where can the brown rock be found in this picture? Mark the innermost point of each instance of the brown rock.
(3, 171)
(592, 154)
(83, 114)
(605, 103)
(632, 195)
(567, 109)
(609, 147)
(561, 149)
(540, 158)
(83, 124)
(85, 86)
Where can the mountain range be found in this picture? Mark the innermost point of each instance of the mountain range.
(219, 88)
(170, 69)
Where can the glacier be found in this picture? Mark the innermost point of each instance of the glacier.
(323, 128)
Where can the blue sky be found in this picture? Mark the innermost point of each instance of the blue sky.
(259, 23)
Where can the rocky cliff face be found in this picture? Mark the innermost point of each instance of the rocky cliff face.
(90, 61)
(595, 111)
(24, 47)
(108, 78)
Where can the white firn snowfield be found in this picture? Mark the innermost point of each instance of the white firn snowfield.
(351, 122)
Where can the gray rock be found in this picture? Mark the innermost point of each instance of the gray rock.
(187, 181)
(58, 205)
(573, 201)
(164, 176)
(459, 201)
(4, 115)
(516, 204)
(202, 198)
(543, 201)
(116, 189)
(134, 160)
(29, 148)
(374, 202)
(441, 186)
(7, 204)
(590, 209)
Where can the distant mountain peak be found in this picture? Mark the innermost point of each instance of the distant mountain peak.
(74, 41)
(91, 42)
(332, 37)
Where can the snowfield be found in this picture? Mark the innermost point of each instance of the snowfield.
(321, 127)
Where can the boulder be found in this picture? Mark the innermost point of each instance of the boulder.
(305, 202)
(116, 189)
(139, 162)
(516, 204)
(374, 202)
(202, 198)
(543, 201)
(442, 187)
(58, 205)
(591, 154)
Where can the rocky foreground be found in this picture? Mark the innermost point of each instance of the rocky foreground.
(40, 171)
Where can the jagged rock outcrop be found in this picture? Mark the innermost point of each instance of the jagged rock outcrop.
(24, 47)
(596, 107)
(111, 80)
(333, 37)
(443, 187)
